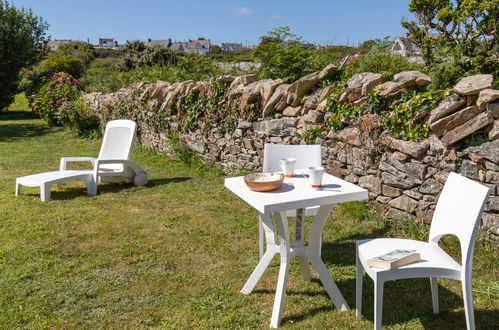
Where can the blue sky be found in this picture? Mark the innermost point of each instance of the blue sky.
(320, 21)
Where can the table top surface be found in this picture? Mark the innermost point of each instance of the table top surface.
(296, 193)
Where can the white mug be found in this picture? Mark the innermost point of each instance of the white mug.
(287, 166)
(315, 176)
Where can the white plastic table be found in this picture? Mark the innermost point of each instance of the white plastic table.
(47, 179)
(295, 194)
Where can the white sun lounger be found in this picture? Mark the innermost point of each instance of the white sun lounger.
(112, 165)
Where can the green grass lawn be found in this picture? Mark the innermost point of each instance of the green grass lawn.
(176, 252)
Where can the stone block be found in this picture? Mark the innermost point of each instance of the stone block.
(413, 194)
(493, 108)
(391, 180)
(490, 222)
(350, 135)
(441, 176)
(383, 199)
(371, 183)
(448, 105)
(397, 214)
(494, 131)
(488, 150)
(431, 187)
(446, 124)
(487, 96)
(472, 85)
(314, 117)
(414, 149)
(352, 178)
(415, 171)
(408, 79)
(492, 204)
(386, 167)
(467, 129)
(292, 111)
(492, 177)
(469, 169)
(390, 191)
(404, 203)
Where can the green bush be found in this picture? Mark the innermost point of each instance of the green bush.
(57, 89)
(78, 117)
(62, 63)
(282, 55)
(102, 77)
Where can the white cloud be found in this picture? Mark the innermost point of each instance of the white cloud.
(242, 11)
(276, 17)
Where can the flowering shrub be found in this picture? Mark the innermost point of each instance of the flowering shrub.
(56, 89)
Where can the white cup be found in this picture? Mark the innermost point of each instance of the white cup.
(315, 176)
(287, 166)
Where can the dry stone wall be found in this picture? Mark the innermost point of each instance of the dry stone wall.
(404, 178)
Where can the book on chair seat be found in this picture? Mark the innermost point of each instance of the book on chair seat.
(394, 259)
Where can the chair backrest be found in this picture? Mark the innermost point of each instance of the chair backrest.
(306, 156)
(118, 139)
(458, 212)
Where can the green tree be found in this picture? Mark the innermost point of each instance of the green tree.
(282, 55)
(22, 44)
(78, 49)
(62, 63)
(463, 28)
(134, 48)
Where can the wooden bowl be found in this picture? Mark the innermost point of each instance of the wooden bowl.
(264, 181)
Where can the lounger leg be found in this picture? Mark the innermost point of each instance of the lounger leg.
(18, 188)
(468, 303)
(91, 185)
(434, 294)
(45, 192)
(358, 286)
(378, 303)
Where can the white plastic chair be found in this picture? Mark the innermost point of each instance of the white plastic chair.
(306, 156)
(113, 163)
(458, 213)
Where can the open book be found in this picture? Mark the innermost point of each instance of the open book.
(394, 259)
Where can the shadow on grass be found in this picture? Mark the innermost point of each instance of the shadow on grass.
(160, 182)
(11, 132)
(342, 252)
(17, 115)
(71, 193)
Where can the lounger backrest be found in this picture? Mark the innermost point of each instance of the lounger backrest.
(118, 139)
(306, 156)
(458, 212)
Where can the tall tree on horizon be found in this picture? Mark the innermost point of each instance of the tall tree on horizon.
(22, 44)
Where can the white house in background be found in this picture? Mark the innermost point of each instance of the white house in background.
(200, 46)
(108, 43)
(165, 42)
(54, 44)
(232, 47)
(405, 47)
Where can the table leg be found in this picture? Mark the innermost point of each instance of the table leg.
(314, 255)
(284, 248)
(272, 249)
(18, 188)
(299, 233)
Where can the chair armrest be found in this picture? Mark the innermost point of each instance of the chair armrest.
(65, 160)
(136, 168)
